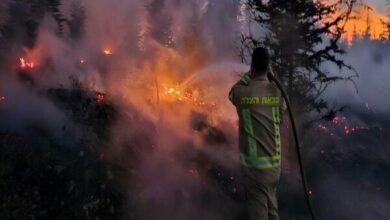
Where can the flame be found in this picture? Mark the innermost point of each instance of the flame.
(190, 96)
(171, 90)
(366, 21)
(107, 51)
(25, 64)
(173, 93)
(155, 84)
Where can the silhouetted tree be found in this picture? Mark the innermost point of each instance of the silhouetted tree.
(24, 18)
(301, 35)
(53, 7)
(3, 17)
(76, 23)
(160, 23)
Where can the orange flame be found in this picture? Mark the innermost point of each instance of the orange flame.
(366, 21)
(107, 51)
(26, 65)
(171, 90)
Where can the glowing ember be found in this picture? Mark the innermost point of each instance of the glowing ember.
(2, 99)
(322, 127)
(337, 120)
(191, 171)
(26, 65)
(353, 129)
(339, 124)
(367, 106)
(82, 61)
(99, 97)
(107, 52)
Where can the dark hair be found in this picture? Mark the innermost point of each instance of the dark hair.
(260, 61)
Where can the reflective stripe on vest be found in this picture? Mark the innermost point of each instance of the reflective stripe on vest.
(246, 116)
(260, 162)
(253, 160)
(276, 119)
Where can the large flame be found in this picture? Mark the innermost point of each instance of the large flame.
(366, 21)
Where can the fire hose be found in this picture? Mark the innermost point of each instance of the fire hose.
(295, 133)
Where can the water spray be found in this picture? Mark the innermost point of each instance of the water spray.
(295, 132)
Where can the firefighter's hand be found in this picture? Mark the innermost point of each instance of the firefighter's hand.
(270, 73)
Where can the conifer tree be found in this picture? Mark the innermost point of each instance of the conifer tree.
(76, 22)
(301, 36)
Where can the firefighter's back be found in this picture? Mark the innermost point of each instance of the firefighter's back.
(259, 104)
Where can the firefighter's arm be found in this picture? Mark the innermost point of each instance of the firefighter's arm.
(232, 93)
(244, 81)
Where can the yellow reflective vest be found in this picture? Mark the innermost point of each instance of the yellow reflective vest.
(260, 106)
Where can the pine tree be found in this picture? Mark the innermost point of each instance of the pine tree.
(301, 36)
(53, 7)
(24, 18)
(3, 17)
(160, 23)
(367, 32)
(76, 23)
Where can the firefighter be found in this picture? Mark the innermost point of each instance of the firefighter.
(260, 107)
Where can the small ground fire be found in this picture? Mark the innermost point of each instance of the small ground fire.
(24, 64)
(107, 52)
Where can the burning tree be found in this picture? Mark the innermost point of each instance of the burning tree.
(301, 36)
(387, 24)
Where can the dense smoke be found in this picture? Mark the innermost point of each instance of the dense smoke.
(135, 52)
(349, 161)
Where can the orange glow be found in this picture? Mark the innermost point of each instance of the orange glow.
(173, 93)
(155, 85)
(25, 64)
(107, 51)
(171, 90)
(365, 20)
